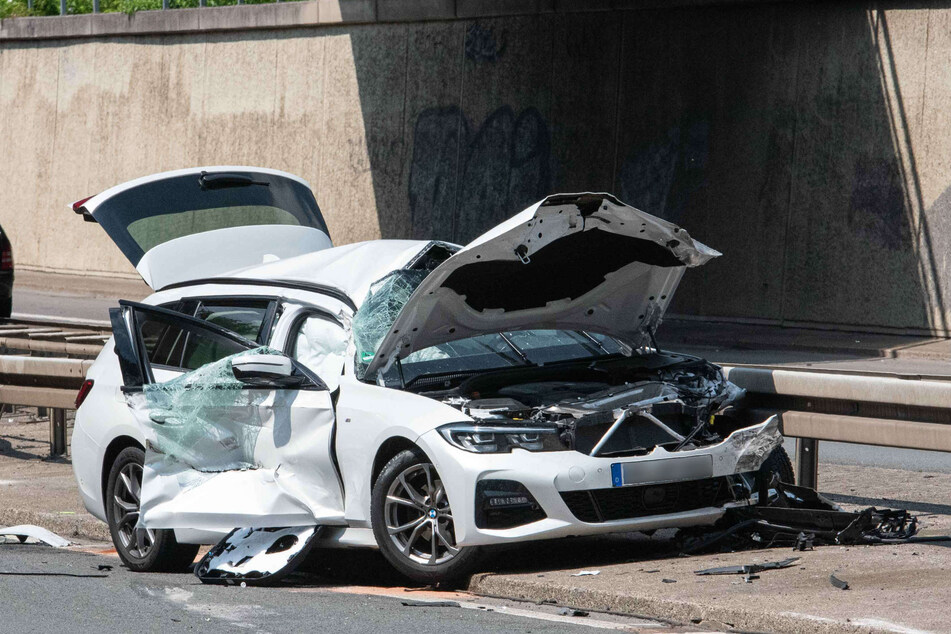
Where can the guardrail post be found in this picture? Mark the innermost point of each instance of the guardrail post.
(29, 4)
(58, 432)
(62, 7)
(42, 412)
(807, 462)
(95, 6)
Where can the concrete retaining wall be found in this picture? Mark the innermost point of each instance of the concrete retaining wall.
(808, 142)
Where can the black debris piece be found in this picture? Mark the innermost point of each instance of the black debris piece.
(838, 583)
(572, 612)
(669, 580)
(749, 578)
(547, 602)
(105, 567)
(804, 541)
(802, 518)
(430, 604)
(748, 569)
(652, 571)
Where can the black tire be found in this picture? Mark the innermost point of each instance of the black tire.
(415, 467)
(158, 551)
(778, 462)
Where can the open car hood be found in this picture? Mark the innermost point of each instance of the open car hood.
(203, 222)
(571, 262)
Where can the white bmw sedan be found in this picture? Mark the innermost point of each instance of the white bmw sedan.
(418, 397)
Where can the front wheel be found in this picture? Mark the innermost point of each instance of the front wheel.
(412, 521)
(141, 549)
(778, 462)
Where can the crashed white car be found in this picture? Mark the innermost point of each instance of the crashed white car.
(418, 397)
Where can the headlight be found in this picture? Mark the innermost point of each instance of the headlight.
(501, 438)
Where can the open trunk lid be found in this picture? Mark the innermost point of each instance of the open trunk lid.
(571, 262)
(202, 222)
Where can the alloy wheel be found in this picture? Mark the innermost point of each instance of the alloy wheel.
(418, 517)
(137, 542)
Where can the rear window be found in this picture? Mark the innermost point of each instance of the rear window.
(146, 215)
(154, 230)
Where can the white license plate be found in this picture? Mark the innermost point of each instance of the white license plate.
(665, 470)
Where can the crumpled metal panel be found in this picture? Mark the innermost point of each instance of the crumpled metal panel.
(754, 446)
(220, 455)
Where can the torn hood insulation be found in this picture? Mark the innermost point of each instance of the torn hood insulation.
(572, 262)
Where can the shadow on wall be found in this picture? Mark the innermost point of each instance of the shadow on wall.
(778, 134)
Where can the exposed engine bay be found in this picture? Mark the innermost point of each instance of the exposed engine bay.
(615, 407)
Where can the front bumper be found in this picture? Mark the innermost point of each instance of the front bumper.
(561, 481)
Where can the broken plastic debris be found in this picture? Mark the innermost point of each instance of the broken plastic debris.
(25, 531)
(572, 612)
(838, 583)
(586, 573)
(748, 569)
(256, 556)
(793, 510)
(430, 604)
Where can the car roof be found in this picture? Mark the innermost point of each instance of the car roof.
(350, 269)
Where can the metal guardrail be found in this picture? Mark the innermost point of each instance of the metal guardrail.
(888, 410)
(874, 409)
(39, 367)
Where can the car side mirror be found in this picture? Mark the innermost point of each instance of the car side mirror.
(264, 370)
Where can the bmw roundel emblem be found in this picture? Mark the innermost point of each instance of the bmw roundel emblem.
(432, 514)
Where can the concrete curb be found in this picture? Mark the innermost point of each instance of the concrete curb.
(67, 526)
(678, 612)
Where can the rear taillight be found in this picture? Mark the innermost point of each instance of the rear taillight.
(84, 392)
(78, 205)
(6, 257)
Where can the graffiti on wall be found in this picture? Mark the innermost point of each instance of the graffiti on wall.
(465, 179)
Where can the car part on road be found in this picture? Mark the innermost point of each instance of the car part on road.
(748, 569)
(141, 549)
(27, 531)
(841, 584)
(256, 556)
(793, 516)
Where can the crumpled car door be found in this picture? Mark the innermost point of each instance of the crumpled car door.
(222, 451)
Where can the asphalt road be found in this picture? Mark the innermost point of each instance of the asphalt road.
(53, 590)
(27, 301)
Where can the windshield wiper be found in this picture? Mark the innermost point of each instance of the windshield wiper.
(593, 340)
(517, 350)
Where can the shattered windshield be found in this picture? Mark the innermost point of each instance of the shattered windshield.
(383, 303)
